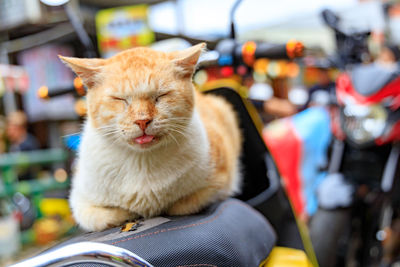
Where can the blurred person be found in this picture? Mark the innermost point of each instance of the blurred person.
(278, 105)
(366, 16)
(389, 55)
(373, 15)
(319, 93)
(17, 133)
(269, 106)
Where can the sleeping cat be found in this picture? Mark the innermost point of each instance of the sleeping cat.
(151, 144)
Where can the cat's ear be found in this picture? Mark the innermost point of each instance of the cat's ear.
(186, 60)
(88, 69)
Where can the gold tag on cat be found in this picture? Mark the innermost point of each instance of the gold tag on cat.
(131, 226)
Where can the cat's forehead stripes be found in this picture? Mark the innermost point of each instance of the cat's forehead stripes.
(142, 83)
(139, 56)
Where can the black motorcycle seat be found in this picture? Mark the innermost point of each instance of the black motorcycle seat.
(369, 79)
(230, 233)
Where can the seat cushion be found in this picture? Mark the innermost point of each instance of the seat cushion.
(229, 233)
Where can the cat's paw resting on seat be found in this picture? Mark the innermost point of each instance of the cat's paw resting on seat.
(95, 218)
(151, 143)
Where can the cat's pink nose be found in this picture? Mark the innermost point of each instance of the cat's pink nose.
(143, 124)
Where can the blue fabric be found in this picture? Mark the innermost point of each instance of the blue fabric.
(73, 141)
(313, 127)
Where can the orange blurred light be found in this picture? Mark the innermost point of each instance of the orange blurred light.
(261, 65)
(282, 68)
(292, 70)
(43, 92)
(80, 107)
(78, 84)
(248, 51)
(294, 49)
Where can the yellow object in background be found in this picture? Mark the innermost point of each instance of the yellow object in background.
(46, 230)
(286, 257)
(54, 206)
(121, 28)
(43, 92)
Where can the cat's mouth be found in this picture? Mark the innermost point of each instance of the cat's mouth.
(144, 139)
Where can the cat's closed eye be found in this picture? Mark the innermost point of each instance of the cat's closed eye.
(161, 95)
(119, 99)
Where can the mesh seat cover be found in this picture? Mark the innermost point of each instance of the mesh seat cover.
(229, 233)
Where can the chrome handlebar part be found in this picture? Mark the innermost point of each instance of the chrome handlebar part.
(86, 252)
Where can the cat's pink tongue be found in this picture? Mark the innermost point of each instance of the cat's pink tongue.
(144, 139)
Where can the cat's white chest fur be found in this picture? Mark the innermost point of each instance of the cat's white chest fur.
(145, 183)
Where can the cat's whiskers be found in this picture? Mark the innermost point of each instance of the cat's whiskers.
(108, 131)
(177, 126)
(106, 127)
(108, 134)
(183, 134)
(180, 129)
(173, 137)
(114, 141)
(174, 120)
(112, 132)
(104, 130)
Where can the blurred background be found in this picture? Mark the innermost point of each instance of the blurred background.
(42, 104)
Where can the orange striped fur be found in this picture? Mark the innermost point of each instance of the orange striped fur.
(151, 144)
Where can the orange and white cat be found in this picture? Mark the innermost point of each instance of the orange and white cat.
(151, 144)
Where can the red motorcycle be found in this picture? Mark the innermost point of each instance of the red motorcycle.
(369, 101)
(358, 220)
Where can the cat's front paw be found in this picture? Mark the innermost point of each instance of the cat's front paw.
(95, 218)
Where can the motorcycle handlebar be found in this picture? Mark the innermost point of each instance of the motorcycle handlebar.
(44, 92)
(78, 88)
(230, 52)
(290, 50)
